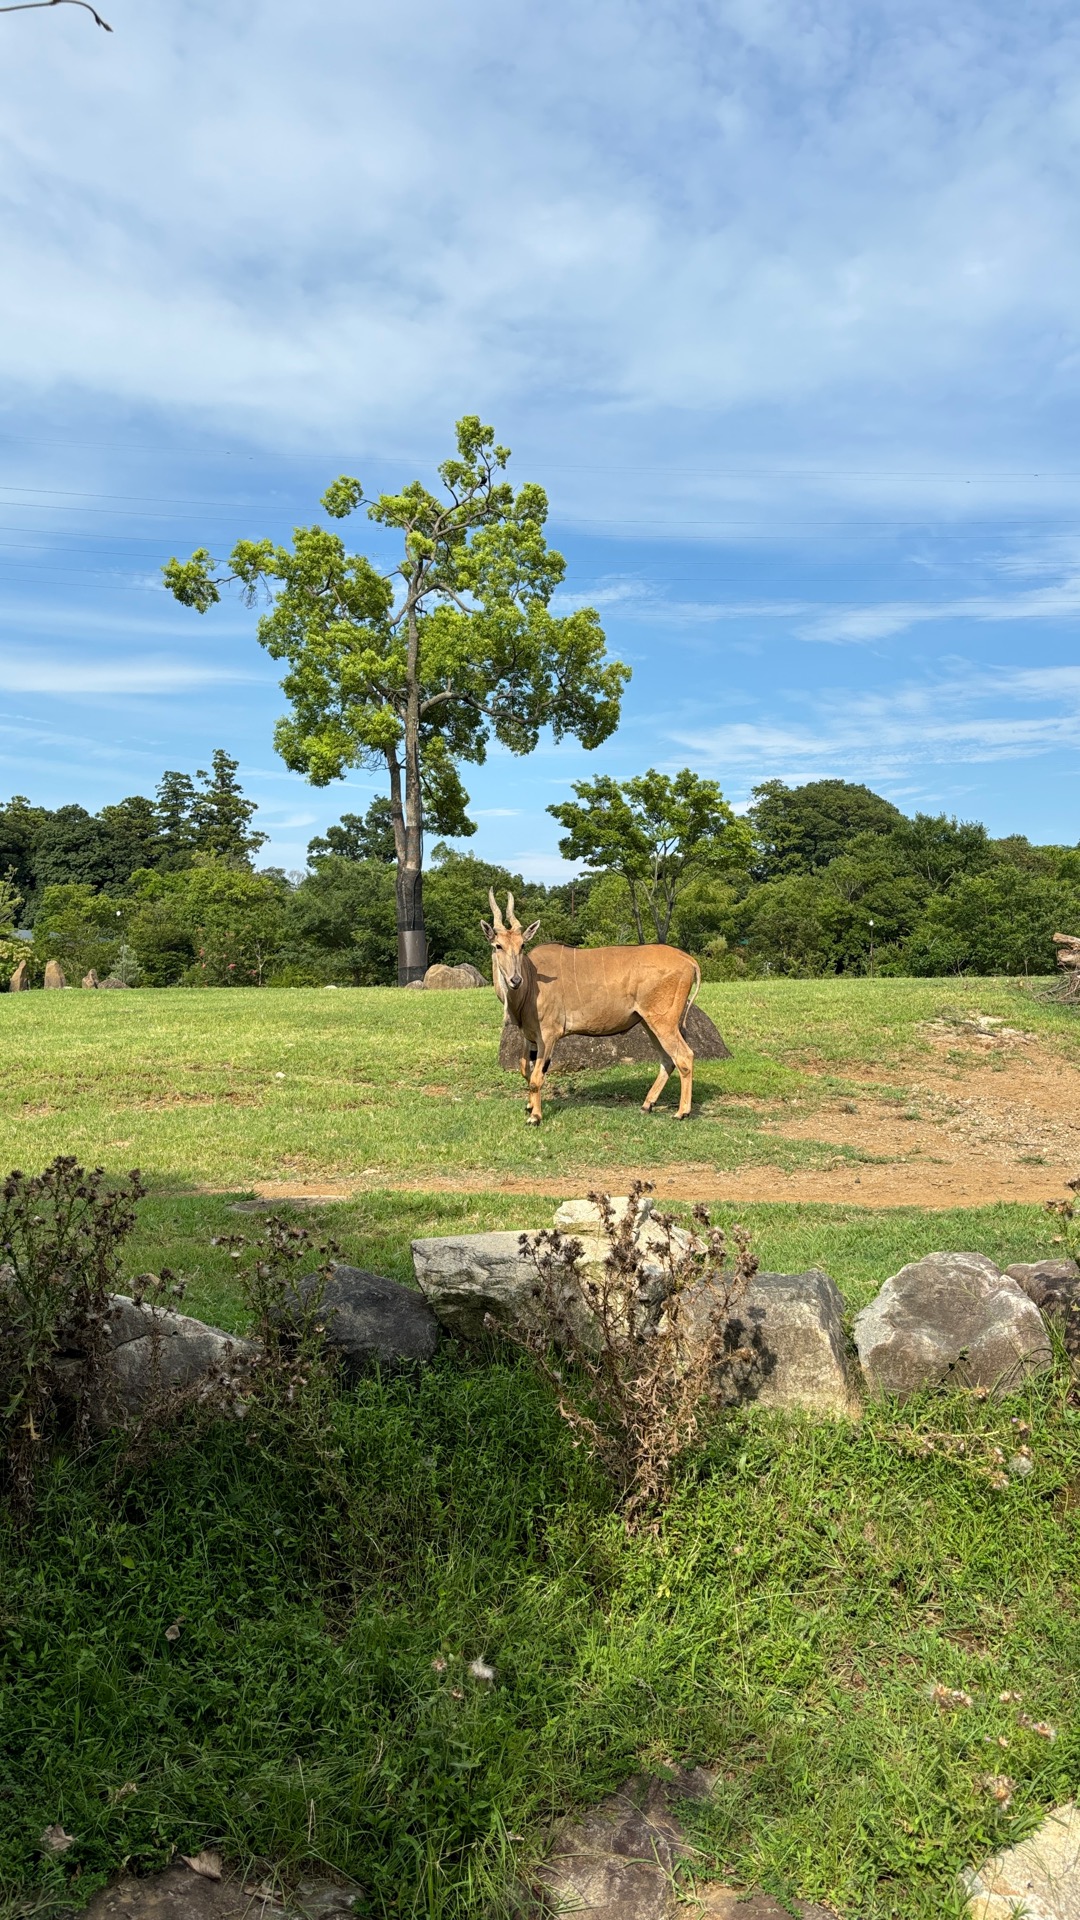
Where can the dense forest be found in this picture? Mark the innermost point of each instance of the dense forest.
(825, 878)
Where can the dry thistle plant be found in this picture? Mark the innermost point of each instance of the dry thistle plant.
(642, 1349)
(1066, 1211)
(61, 1234)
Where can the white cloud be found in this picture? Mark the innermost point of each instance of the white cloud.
(883, 735)
(37, 673)
(668, 242)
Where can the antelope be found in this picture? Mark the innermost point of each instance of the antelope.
(557, 990)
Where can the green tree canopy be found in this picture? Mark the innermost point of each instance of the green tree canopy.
(800, 829)
(368, 836)
(656, 832)
(416, 668)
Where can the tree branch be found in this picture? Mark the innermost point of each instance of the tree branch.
(28, 6)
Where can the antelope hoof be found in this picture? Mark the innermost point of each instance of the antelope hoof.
(532, 1119)
(647, 1106)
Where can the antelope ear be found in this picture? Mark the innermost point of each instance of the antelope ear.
(490, 934)
(530, 933)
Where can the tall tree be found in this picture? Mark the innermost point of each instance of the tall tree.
(414, 669)
(222, 815)
(656, 832)
(174, 805)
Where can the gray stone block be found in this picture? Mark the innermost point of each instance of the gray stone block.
(951, 1319)
(372, 1321)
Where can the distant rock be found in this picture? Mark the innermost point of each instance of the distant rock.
(951, 1319)
(440, 977)
(591, 1053)
(20, 979)
(54, 974)
(372, 1321)
(90, 979)
(113, 983)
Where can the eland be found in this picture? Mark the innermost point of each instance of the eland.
(554, 991)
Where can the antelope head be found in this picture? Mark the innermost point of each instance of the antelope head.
(506, 939)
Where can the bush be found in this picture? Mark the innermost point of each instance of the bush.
(60, 1237)
(641, 1357)
(1002, 921)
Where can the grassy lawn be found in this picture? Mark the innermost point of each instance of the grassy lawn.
(807, 1590)
(810, 1587)
(222, 1088)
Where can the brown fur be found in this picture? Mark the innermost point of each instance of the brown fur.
(559, 990)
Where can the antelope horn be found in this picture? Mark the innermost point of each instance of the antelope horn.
(496, 911)
(512, 916)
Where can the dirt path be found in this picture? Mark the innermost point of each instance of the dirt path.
(978, 1119)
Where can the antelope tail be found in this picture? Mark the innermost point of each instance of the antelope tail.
(693, 993)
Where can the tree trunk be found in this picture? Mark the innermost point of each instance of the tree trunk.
(412, 936)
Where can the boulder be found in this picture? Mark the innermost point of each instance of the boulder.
(90, 979)
(617, 1861)
(112, 982)
(950, 1319)
(151, 1350)
(465, 1277)
(1043, 1280)
(1054, 1287)
(582, 1217)
(591, 1053)
(1039, 1878)
(469, 1276)
(793, 1324)
(20, 979)
(372, 1321)
(465, 975)
(54, 974)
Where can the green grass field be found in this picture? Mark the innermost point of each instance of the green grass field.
(219, 1089)
(788, 1621)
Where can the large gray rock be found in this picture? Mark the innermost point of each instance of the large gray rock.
(441, 977)
(20, 979)
(591, 1053)
(54, 974)
(951, 1318)
(151, 1350)
(473, 1276)
(793, 1324)
(1039, 1879)
(465, 1277)
(371, 1321)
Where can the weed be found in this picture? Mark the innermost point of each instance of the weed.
(1066, 1211)
(61, 1234)
(645, 1339)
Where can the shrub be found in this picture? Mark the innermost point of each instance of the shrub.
(60, 1237)
(640, 1358)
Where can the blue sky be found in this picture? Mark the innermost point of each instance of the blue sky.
(781, 302)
